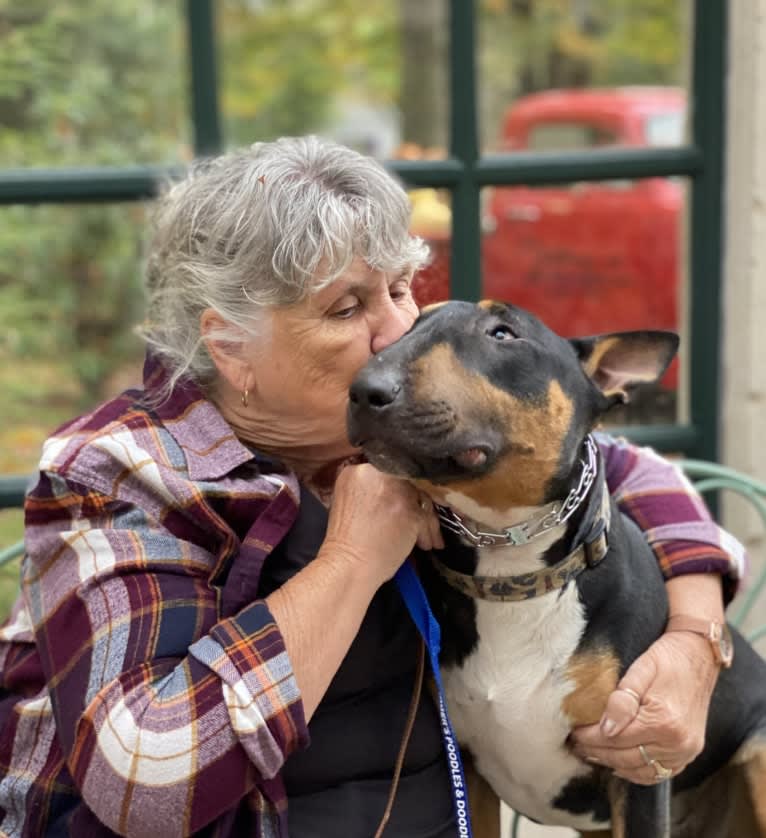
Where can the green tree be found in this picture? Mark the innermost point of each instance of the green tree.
(104, 83)
(533, 45)
(284, 64)
(82, 84)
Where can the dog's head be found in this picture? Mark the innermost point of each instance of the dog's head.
(486, 401)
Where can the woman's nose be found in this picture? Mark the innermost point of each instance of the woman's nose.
(389, 326)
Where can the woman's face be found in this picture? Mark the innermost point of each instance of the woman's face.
(317, 346)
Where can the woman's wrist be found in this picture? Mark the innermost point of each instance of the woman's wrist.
(344, 559)
(334, 590)
(695, 610)
(697, 595)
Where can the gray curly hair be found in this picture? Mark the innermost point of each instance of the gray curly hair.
(262, 227)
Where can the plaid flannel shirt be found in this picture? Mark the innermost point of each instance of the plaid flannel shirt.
(139, 694)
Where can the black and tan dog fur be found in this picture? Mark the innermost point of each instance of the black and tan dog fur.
(486, 410)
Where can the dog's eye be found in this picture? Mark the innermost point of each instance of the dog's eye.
(501, 333)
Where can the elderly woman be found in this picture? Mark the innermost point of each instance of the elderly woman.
(208, 641)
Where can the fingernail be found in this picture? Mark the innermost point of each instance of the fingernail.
(594, 760)
(608, 726)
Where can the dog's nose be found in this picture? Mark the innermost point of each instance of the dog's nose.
(374, 390)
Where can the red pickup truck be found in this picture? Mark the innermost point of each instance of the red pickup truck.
(586, 256)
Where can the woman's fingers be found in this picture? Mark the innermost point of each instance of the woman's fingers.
(654, 722)
(429, 535)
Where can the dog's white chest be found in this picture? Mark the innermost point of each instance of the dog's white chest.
(506, 700)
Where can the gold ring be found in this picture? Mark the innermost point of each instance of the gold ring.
(660, 772)
(644, 756)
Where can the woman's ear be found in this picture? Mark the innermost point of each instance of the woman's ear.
(229, 355)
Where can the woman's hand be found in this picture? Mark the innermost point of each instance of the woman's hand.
(661, 704)
(374, 522)
(377, 519)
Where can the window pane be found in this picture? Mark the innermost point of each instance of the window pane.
(614, 69)
(97, 83)
(70, 295)
(665, 129)
(568, 136)
(590, 258)
(431, 220)
(371, 75)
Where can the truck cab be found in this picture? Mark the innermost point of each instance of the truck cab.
(585, 256)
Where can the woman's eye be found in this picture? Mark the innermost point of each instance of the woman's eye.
(400, 290)
(346, 312)
(501, 333)
(345, 308)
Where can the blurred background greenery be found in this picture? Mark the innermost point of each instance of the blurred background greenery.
(102, 83)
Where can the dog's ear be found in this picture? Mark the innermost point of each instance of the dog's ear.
(617, 362)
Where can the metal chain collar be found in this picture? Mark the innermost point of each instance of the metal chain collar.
(551, 516)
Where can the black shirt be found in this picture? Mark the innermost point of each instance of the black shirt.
(339, 785)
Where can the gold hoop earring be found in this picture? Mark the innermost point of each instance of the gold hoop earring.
(245, 394)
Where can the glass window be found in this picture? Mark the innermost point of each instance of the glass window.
(371, 75)
(666, 129)
(590, 258)
(432, 221)
(11, 532)
(70, 296)
(617, 58)
(568, 136)
(87, 84)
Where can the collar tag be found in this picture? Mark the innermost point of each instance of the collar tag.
(517, 536)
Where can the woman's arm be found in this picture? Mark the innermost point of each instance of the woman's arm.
(356, 557)
(153, 695)
(662, 701)
(659, 498)
(156, 699)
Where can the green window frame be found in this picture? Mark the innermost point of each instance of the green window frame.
(465, 172)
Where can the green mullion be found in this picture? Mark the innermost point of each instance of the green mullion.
(436, 173)
(669, 438)
(465, 268)
(12, 489)
(204, 77)
(557, 167)
(708, 98)
(139, 182)
(136, 183)
(82, 185)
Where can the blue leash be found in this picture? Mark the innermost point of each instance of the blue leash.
(417, 604)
